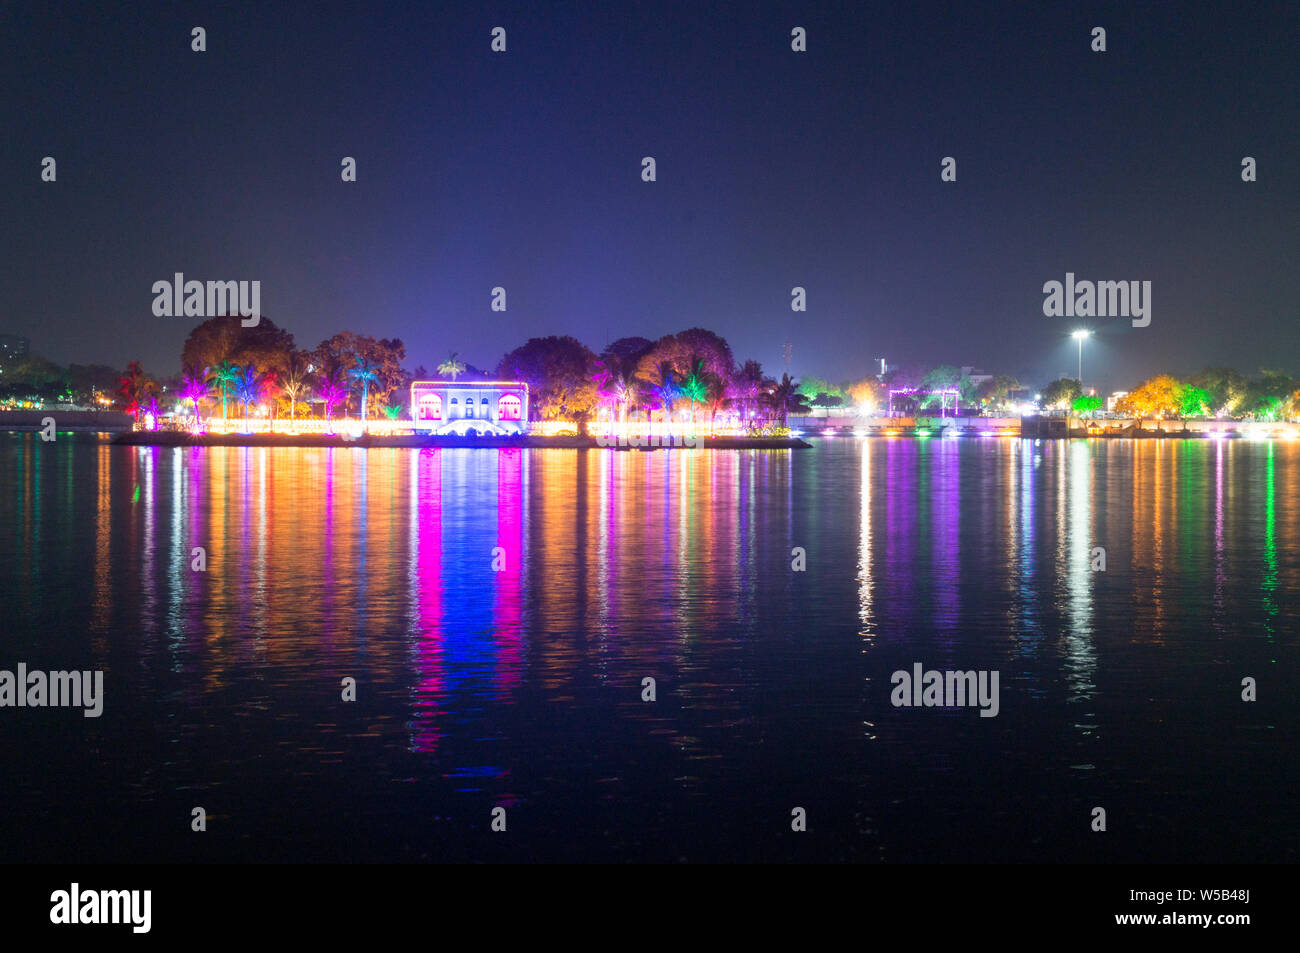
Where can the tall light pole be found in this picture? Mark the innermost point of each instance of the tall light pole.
(1081, 336)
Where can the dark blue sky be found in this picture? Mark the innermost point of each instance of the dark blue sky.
(775, 169)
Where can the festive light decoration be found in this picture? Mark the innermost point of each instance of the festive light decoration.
(497, 407)
(942, 393)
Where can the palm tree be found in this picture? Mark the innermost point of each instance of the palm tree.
(746, 386)
(248, 387)
(194, 388)
(367, 374)
(224, 375)
(719, 393)
(134, 386)
(785, 398)
(616, 377)
(662, 383)
(694, 388)
(452, 367)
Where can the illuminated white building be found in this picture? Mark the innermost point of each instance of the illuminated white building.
(485, 407)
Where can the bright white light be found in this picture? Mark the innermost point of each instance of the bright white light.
(1080, 335)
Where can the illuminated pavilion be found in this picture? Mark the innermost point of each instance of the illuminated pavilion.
(459, 407)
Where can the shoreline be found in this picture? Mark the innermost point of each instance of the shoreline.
(164, 438)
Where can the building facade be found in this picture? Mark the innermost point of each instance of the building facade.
(462, 407)
(13, 347)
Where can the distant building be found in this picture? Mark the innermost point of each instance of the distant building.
(1114, 399)
(485, 407)
(13, 347)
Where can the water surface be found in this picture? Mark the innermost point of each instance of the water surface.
(522, 687)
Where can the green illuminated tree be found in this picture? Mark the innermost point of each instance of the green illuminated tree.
(694, 388)
(223, 376)
(1086, 405)
(1193, 401)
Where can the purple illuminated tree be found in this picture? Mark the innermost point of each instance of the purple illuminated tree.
(194, 388)
(331, 388)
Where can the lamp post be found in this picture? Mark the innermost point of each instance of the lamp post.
(1080, 336)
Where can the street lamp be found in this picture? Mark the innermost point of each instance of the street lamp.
(1080, 336)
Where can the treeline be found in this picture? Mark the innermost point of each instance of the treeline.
(35, 379)
(240, 371)
(1210, 392)
(1215, 392)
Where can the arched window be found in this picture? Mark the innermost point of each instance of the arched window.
(483, 401)
(510, 407)
(430, 407)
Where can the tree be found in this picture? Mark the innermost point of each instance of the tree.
(1193, 401)
(615, 375)
(1156, 397)
(296, 376)
(709, 349)
(346, 350)
(683, 353)
(944, 377)
(452, 367)
(811, 387)
(248, 387)
(224, 376)
(137, 387)
(746, 387)
(941, 377)
(558, 371)
(993, 392)
(663, 384)
(331, 386)
(366, 374)
(194, 388)
(1268, 397)
(1227, 389)
(784, 399)
(628, 349)
(694, 388)
(1086, 405)
(267, 389)
(716, 398)
(224, 340)
(1061, 392)
(86, 381)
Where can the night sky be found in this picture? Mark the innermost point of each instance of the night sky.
(775, 169)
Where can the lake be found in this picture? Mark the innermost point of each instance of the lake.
(500, 610)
